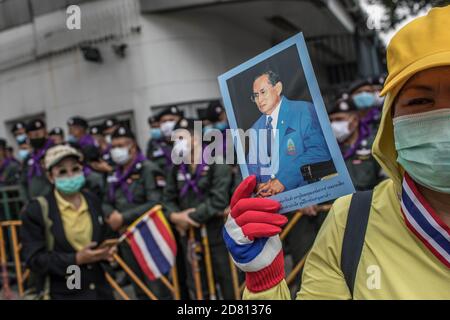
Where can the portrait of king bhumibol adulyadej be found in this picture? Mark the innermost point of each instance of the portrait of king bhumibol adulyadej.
(301, 152)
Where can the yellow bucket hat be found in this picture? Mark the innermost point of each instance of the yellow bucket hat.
(422, 44)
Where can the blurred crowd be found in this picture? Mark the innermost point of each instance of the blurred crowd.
(97, 181)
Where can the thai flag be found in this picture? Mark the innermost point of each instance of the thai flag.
(153, 243)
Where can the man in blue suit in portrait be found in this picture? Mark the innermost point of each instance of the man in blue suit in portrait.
(298, 141)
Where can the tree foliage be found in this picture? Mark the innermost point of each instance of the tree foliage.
(399, 10)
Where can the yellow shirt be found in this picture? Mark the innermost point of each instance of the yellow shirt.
(77, 223)
(394, 263)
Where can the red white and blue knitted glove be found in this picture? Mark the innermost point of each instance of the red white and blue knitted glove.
(251, 236)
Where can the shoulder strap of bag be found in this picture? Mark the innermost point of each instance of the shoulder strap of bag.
(355, 232)
(49, 239)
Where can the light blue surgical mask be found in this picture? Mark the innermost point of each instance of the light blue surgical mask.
(23, 154)
(155, 133)
(364, 100)
(70, 185)
(21, 138)
(207, 129)
(72, 139)
(222, 126)
(422, 142)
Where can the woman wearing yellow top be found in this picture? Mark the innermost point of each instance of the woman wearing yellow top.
(406, 249)
(76, 227)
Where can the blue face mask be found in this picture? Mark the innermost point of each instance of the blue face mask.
(23, 154)
(70, 185)
(155, 133)
(364, 100)
(422, 142)
(222, 126)
(21, 138)
(72, 139)
(207, 129)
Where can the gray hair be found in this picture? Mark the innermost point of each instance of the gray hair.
(274, 78)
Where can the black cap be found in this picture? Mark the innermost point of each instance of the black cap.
(56, 132)
(202, 113)
(343, 104)
(91, 153)
(95, 130)
(36, 124)
(109, 123)
(152, 119)
(185, 123)
(17, 126)
(123, 132)
(369, 81)
(213, 111)
(2, 143)
(170, 110)
(78, 121)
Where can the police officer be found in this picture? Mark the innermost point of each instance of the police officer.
(153, 151)
(95, 171)
(33, 179)
(365, 95)
(355, 138)
(108, 127)
(197, 193)
(57, 135)
(100, 141)
(134, 188)
(159, 150)
(9, 167)
(79, 136)
(19, 132)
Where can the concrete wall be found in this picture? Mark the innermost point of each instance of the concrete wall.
(176, 58)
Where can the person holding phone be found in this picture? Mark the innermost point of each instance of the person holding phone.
(66, 229)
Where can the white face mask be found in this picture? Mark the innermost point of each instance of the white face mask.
(167, 128)
(341, 130)
(108, 139)
(181, 148)
(120, 155)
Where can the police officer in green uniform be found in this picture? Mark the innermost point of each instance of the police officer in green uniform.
(57, 135)
(19, 131)
(134, 187)
(33, 178)
(159, 148)
(365, 96)
(355, 138)
(20, 134)
(197, 193)
(9, 167)
(95, 170)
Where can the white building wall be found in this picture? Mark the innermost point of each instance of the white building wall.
(176, 58)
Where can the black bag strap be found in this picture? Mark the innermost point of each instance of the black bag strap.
(354, 235)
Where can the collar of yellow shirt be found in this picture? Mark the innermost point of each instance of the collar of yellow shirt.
(65, 205)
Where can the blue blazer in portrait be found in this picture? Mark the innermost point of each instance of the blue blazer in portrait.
(300, 142)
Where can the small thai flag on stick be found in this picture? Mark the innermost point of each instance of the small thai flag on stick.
(152, 243)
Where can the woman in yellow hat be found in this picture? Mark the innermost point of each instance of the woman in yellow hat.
(404, 250)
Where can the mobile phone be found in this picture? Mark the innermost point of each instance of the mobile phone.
(108, 243)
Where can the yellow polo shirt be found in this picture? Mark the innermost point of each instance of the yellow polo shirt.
(77, 223)
(394, 263)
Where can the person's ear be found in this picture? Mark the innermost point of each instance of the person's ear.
(50, 177)
(279, 88)
(354, 121)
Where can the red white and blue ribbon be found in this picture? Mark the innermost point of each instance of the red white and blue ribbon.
(423, 221)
